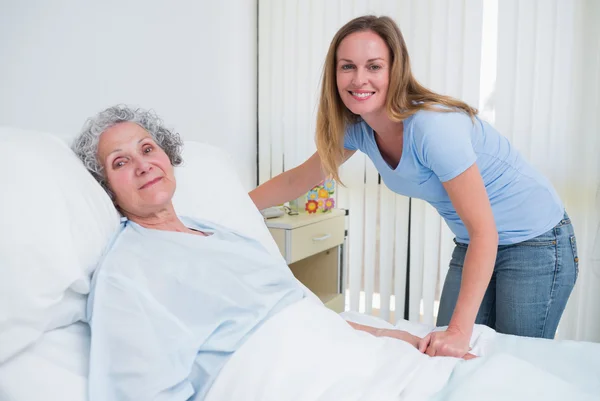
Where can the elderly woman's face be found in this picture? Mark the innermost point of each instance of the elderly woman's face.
(139, 172)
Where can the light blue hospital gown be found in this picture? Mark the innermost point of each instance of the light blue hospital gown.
(168, 309)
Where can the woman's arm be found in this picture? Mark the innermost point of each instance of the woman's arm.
(292, 183)
(394, 333)
(469, 198)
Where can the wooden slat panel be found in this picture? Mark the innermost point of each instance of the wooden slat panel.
(472, 22)
(289, 77)
(441, 47)
(543, 68)
(489, 56)
(446, 249)
(417, 248)
(405, 20)
(356, 224)
(302, 132)
(506, 80)
(525, 74)
(564, 169)
(370, 236)
(318, 45)
(431, 262)
(420, 52)
(386, 250)
(276, 88)
(400, 253)
(264, 90)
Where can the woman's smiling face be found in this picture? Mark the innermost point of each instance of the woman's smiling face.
(362, 72)
(138, 171)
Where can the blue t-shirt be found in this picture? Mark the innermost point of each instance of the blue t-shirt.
(168, 309)
(439, 146)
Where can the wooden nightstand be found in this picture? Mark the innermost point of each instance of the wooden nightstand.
(312, 245)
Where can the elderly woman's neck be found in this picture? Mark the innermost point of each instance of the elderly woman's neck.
(165, 219)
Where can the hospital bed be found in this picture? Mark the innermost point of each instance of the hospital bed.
(55, 222)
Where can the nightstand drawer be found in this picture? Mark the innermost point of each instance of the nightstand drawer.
(314, 238)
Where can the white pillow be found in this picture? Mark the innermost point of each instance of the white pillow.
(55, 222)
(209, 188)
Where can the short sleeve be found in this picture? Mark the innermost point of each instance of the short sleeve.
(443, 142)
(351, 136)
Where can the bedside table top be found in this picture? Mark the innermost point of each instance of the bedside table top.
(303, 219)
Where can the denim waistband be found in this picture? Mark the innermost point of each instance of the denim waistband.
(565, 220)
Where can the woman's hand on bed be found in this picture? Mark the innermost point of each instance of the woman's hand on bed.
(445, 343)
(399, 335)
(409, 338)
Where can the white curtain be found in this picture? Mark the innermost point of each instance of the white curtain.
(532, 68)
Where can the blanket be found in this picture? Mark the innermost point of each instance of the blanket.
(307, 352)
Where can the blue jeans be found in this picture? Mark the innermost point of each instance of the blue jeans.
(530, 285)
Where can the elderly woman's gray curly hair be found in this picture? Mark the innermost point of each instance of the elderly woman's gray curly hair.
(85, 145)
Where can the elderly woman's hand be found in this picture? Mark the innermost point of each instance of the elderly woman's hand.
(400, 335)
(393, 333)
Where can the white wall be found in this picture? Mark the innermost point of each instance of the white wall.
(193, 62)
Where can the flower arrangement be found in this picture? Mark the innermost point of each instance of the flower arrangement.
(319, 198)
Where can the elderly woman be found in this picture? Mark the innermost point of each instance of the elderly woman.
(173, 297)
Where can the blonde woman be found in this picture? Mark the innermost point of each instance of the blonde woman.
(515, 260)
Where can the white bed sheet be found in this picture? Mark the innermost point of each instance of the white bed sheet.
(284, 361)
(308, 353)
(56, 366)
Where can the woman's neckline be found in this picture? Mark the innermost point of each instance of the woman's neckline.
(405, 125)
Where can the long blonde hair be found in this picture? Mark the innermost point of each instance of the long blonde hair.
(405, 95)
